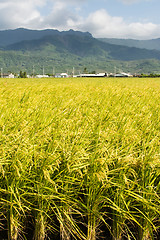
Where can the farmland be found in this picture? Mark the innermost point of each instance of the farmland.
(80, 159)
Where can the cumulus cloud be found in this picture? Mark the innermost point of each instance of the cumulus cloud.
(32, 14)
(18, 13)
(61, 17)
(101, 24)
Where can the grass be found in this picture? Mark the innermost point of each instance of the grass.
(80, 159)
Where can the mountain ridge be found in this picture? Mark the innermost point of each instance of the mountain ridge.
(150, 44)
(8, 37)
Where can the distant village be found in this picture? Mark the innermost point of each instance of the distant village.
(83, 75)
(65, 75)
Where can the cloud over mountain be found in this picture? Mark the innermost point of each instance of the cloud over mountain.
(102, 24)
(66, 14)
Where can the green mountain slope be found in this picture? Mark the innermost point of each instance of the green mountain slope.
(51, 60)
(152, 44)
(82, 45)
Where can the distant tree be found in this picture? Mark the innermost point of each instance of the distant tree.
(49, 74)
(85, 70)
(93, 72)
(22, 74)
(25, 75)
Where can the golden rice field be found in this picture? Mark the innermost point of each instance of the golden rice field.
(80, 159)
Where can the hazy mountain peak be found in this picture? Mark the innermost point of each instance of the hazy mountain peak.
(8, 37)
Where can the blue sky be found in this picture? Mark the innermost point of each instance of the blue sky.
(137, 19)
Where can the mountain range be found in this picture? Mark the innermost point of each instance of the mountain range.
(36, 50)
(151, 44)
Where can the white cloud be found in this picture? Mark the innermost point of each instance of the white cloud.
(28, 13)
(18, 13)
(101, 24)
(60, 17)
(133, 1)
(70, 1)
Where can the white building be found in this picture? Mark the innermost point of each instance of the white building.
(92, 75)
(122, 74)
(61, 75)
(42, 76)
(8, 75)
